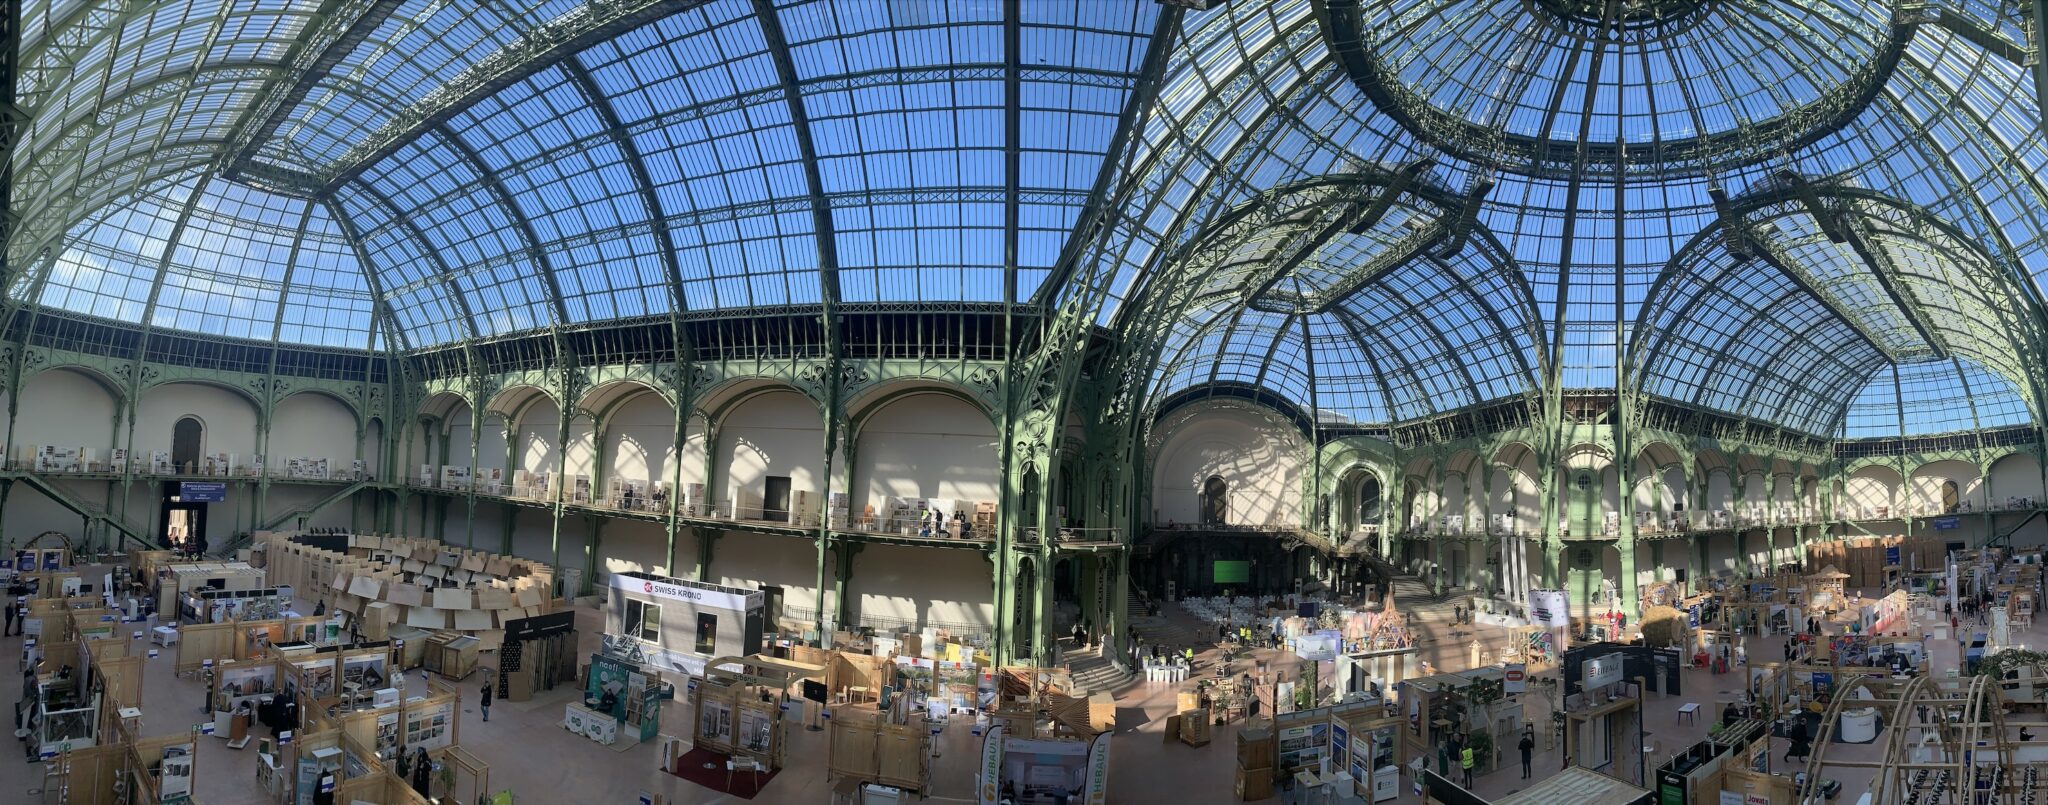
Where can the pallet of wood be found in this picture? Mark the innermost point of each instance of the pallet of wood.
(1194, 727)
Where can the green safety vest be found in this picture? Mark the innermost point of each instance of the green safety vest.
(1466, 760)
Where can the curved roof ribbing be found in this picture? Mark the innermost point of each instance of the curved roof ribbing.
(1818, 215)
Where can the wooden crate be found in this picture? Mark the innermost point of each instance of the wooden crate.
(1254, 784)
(1194, 728)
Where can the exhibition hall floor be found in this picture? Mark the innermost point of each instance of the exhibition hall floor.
(530, 754)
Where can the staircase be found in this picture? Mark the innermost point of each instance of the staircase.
(1412, 596)
(122, 530)
(1092, 671)
(1134, 603)
(2006, 537)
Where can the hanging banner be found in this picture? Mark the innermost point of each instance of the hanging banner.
(1949, 523)
(1550, 608)
(1516, 678)
(991, 765)
(1098, 771)
(202, 491)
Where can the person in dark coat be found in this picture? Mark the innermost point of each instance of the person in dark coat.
(1527, 745)
(486, 701)
(422, 772)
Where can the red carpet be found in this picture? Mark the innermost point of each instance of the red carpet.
(691, 767)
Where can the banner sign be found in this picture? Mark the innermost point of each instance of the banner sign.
(202, 492)
(991, 765)
(1603, 671)
(1891, 555)
(1949, 523)
(1516, 679)
(1098, 771)
(732, 598)
(1550, 608)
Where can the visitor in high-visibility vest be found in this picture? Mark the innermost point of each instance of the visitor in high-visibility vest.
(1465, 762)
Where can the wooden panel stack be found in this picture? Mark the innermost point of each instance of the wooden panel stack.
(1257, 752)
(392, 583)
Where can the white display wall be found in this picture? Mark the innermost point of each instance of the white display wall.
(927, 446)
(777, 433)
(1261, 462)
(893, 584)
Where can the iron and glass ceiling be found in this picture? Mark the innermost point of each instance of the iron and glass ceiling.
(1822, 215)
(502, 167)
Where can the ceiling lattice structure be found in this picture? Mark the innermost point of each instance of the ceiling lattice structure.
(1823, 215)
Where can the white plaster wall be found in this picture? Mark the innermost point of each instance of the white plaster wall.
(2016, 476)
(312, 426)
(632, 545)
(893, 584)
(229, 418)
(1261, 462)
(63, 407)
(1928, 479)
(373, 449)
(583, 449)
(692, 453)
(750, 560)
(457, 427)
(779, 433)
(1721, 554)
(1720, 493)
(1756, 489)
(490, 446)
(927, 446)
(1872, 487)
(538, 437)
(1674, 491)
(285, 497)
(639, 442)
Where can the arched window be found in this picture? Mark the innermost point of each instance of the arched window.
(187, 437)
(1369, 501)
(1215, 501)
(1951, 497)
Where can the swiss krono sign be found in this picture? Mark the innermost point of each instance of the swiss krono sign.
(732, 598)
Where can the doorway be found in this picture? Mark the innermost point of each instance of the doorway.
(187, 439)
(1215, 500)
(775, 500)
(181, 523)
(771, 604)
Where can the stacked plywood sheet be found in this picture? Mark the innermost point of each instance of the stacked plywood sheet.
(396, 582)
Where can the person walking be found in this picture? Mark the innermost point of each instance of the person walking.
(10, 620)
(1527, 745)
(485, 703)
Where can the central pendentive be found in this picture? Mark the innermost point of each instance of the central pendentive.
(1631, 19)
(1652, 88)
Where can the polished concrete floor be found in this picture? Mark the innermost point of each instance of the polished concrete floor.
(531, 755)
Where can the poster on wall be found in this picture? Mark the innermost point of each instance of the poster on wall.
(1550, 608)
(366, 670)
(239, 684)
(216, 465)
(355, 470)
(160, 462)
(428, 727)
(915, 674)
(176, 782)
(609, 676)
(957, 684)
(117, 459)
(319, 677)
(387, 735)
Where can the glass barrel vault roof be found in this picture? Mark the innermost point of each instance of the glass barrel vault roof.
(1824, 215)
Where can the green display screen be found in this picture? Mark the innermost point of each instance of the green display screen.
(1233, 572)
